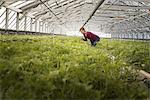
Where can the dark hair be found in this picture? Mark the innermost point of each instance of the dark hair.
(82, 28)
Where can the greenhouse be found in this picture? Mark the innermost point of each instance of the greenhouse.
(74, 49)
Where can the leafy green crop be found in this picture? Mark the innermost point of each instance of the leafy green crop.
(38, 67)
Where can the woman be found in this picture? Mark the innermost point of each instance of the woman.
(88, 35)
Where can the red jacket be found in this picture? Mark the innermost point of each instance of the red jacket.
(90, 36)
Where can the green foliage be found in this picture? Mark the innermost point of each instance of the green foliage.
(38, 67)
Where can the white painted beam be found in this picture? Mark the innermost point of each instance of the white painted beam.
(36, 3)
(14, 9)
(146, 1)
(114, 6)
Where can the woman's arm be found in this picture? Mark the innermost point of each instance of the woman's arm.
(85, 38)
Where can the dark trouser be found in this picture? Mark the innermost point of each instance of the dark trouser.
(93, 42)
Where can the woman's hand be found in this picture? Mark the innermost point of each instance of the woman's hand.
(84, 39)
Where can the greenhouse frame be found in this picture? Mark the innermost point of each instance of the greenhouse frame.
(120, 18)
(74, 49)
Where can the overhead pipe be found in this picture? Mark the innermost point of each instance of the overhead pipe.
(1, 3)
(53, 14)
(50, 10)
(95, 9)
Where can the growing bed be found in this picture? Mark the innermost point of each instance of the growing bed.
(46, 67)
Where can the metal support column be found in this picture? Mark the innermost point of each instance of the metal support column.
(7, 15)
(35, 25)
(118, 36)
(25, 23)
(43, 27)
(46, 28)
(17, 22)
(39, 26)
(143, 36)
(137, 37)
(31, 25)
(48, 25)
(146, 36)
(132, 36)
